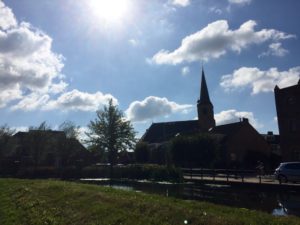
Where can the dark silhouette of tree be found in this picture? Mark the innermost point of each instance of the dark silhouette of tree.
(38, 141)
(5, 133)
(195, 151)
(43, 126)
(70, 129)
(111, 132)
(142, 152)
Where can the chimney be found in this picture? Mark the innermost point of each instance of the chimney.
(245, 120)
(270, 133)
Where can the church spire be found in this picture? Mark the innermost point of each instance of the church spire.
(205, 107)
(204, 96)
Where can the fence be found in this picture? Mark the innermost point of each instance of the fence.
(225, 174)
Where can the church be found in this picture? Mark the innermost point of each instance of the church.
(240, 142)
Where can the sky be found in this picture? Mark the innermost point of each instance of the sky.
(63, 60)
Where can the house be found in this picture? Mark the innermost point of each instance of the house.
(41, 148)
(288, 116)
(241, 144)
(274, 142)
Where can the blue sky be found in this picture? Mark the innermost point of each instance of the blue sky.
(62, 60)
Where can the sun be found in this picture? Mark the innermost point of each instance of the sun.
(110, 10)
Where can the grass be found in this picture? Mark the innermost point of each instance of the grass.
(58, 202)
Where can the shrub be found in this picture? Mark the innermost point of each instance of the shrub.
(136, 171)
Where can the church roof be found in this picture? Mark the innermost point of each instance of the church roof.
(161, 132)
(227, 129)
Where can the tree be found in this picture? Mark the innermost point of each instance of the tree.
(111, 132)
(70, 129)
(5, 134)
(38, 141)
(43, 126)
(199, 150)
(142, 152)
(6, 131)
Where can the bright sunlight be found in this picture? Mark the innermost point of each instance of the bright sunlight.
(110, 10)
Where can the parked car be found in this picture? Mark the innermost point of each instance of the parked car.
(288, 171)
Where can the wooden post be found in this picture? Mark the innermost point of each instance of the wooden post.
(201, 171)
(227, 175)
(242, 176)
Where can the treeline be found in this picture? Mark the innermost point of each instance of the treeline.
(200, 150)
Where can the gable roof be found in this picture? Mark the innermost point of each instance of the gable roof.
(161, 132)
(227, 129)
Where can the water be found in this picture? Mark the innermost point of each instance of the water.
(280, 203)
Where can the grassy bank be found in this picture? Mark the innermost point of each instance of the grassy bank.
(58, 202)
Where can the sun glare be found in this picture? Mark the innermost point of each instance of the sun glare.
(110, 10)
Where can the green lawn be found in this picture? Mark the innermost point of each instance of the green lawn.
(58, 202)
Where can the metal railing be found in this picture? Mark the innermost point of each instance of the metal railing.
(225, 174)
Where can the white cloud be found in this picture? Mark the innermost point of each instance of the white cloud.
(133, 42)
(260, 80)
(77, 100)
(275, 49)
(20, 129)
(215, 10)
(82, 134)
(232, 115)
(215, 40)
(152, 107)
(31, 102)
(9, 95)
(181, 3)
(239, 2)
(7, 18)
(28, 66)
(30, 72)
(185, 70)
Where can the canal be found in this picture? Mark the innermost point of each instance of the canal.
(280, 203)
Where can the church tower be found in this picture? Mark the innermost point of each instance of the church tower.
(205, 107)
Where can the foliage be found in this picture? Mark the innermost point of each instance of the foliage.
(136, 172)
(142, 152)
(58, 202)
(110, 132)
(200, 150)
(70, 129)
(43, 126)
(5, 130)
(5, 133)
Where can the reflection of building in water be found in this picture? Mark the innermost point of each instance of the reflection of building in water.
(288, 115)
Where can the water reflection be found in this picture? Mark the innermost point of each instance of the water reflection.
(274, 202)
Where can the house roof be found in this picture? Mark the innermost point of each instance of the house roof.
(272, 138)
(160, 132)
(227, 129)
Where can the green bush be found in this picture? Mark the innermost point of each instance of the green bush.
(135, 171)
